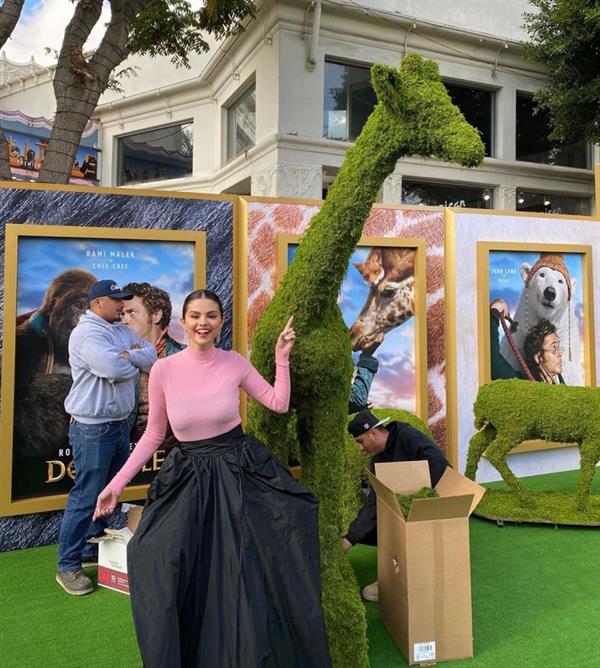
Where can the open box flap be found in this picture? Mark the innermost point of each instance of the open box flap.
(385, 495)
(404, 478)
(455, 484)
(442, 508)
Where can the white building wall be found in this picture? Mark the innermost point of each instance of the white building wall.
(473, 42)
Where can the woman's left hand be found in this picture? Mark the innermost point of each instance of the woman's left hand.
(287, 338)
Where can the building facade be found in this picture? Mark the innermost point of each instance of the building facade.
(272, 111)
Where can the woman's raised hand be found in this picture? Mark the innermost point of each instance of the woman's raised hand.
(105, 504)
(287, 338)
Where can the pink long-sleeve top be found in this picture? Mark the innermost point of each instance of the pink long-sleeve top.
(197, 392)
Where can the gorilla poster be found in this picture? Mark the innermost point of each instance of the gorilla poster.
(538, 286)
(55, 268)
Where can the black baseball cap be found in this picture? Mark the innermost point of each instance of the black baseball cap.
(108, 288)
(364, 421)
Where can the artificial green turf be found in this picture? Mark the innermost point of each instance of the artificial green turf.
(536, 603)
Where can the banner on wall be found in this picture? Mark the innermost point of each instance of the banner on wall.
(27, 141)
(52, 269)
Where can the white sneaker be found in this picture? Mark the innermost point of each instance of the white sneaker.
(371, 592)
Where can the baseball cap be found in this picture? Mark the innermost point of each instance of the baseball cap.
(108, 288)
(364, 421)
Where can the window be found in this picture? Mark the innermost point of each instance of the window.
(477, 106)
(553, 203)
(446, 194)
(349, 100)
(533, 144)
(154, 155)
(241, 123)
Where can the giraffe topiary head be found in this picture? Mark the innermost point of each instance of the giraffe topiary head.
(429, 123)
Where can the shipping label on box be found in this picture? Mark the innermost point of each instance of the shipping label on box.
(423, 561)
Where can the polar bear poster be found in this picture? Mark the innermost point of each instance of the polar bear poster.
(537, 286)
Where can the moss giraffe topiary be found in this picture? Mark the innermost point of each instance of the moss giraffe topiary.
(509, 412)
(414, 115)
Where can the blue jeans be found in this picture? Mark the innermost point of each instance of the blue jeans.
(99, 451)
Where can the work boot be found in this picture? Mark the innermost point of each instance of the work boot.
(76, 583)
(371, 592)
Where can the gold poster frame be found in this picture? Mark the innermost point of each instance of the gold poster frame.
(451, 316)
(483, 295)
(13, 233)
(283, 242)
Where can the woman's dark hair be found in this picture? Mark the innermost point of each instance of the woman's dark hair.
(533, 344)
(201, 294)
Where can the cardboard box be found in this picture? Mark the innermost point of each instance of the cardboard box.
(112, 553)
(423, 562)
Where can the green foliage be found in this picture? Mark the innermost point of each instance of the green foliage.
(565, 36)
(172, 28)
(405, 501)
(414, 115)
(513, 411)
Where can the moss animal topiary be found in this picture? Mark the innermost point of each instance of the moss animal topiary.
(509, 412)
(413, 115)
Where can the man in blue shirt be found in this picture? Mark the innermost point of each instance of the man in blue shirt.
(105, 358)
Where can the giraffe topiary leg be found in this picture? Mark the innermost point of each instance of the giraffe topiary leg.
(320, 432)
(496, 454)
(477, 446)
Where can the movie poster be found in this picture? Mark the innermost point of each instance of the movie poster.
(52, 281)
(377, 301)
(536, 286)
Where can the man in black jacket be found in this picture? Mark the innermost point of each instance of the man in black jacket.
(398, 442)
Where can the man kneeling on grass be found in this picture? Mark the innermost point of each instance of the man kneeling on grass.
(396, 442)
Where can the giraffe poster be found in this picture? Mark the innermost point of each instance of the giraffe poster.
(377, 302)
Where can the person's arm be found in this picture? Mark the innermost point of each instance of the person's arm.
(500, 367)
(105, 361)
(366, 520)
(152, 438)
(143, 354)
(365, 373)
(276, 396)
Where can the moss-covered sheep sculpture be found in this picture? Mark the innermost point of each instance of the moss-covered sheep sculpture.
(413, 115)
(509, 412)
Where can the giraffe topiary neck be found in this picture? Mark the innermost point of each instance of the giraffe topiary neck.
(313, 280)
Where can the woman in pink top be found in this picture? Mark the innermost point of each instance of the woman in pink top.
(224, 566)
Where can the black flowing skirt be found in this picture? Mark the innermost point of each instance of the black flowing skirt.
(224, 566)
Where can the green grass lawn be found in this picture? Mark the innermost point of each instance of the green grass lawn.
(536, 603)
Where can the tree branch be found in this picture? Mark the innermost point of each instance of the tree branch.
(9, 15)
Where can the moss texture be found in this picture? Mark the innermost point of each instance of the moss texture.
(405, 502)
(413, 115)
(509, 412)
(544, 508)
